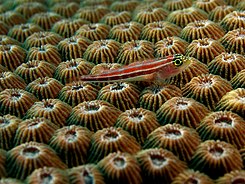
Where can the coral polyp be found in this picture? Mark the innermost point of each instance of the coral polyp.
(138, 122)
(93, 32)
(115, 18)
(205, 50)
(185, 111)
(218, 13)
(28, 9)
(157, 31)
(86, 173)
(12, 18)
(12, 56)
(182, 141)
(233, 177)
(191, 176)
(135, 50)
(120, 6)
(44, 88)
(120, 168)
(22, 31)
(9, 80)
(187, 15)
(233, 20)
(102, 51)
(173, 5)
(123, 95)
(149, 15)
(16, 102)
(109, 140)
(42, 38)
(238, 81)
(170, 46)
(46, 20)
(202, 29)
(25, 158)
(66, 9)
(34, 69)
(159, 165)
(8, 126)
(92, 14)
(154, 96)
(53, 109)
(47, 52)
(95, 115)
(217, 156)
(225, 126)
(207, 89)
(227, 65)
(67, 27)
(77, 92)
(71, 143)
(233, 101)
(73, 47)
(70, 70)
(7, 40)
(34, 129)
(234, 41)
(126, 32)
(208, 5)
(48, 174)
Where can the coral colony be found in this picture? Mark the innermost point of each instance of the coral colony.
(122, 91)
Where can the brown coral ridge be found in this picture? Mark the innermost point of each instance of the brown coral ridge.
(94, 115)
(110, 140)
(71, 143)
(207, 89)
(122, 95)
(233, 101)
(185, 111)
(224, 126)
(155, 95)
(182, 141)
(227, 65)
(215, 158)
(25, 158)
(138, 122)
(120, 168)
(159, 165)
(16, 102)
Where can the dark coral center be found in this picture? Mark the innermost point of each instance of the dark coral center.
(223, 121)
(111, 135)
(71, 135)
(238, 181)
(191, 181)
(46, 178)
(77, 87)
(88, 177)
(157, 160)
(119, 162)
(216, 151)
(31, 152)
(92, 107)
(172, 133)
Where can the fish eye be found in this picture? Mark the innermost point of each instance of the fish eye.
(178, 62)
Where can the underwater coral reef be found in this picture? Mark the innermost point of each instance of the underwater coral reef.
(122, 91)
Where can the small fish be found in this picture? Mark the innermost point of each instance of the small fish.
(151, 70)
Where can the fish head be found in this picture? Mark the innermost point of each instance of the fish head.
(179, 63)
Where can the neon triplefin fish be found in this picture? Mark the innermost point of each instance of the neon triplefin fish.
(150, 70)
